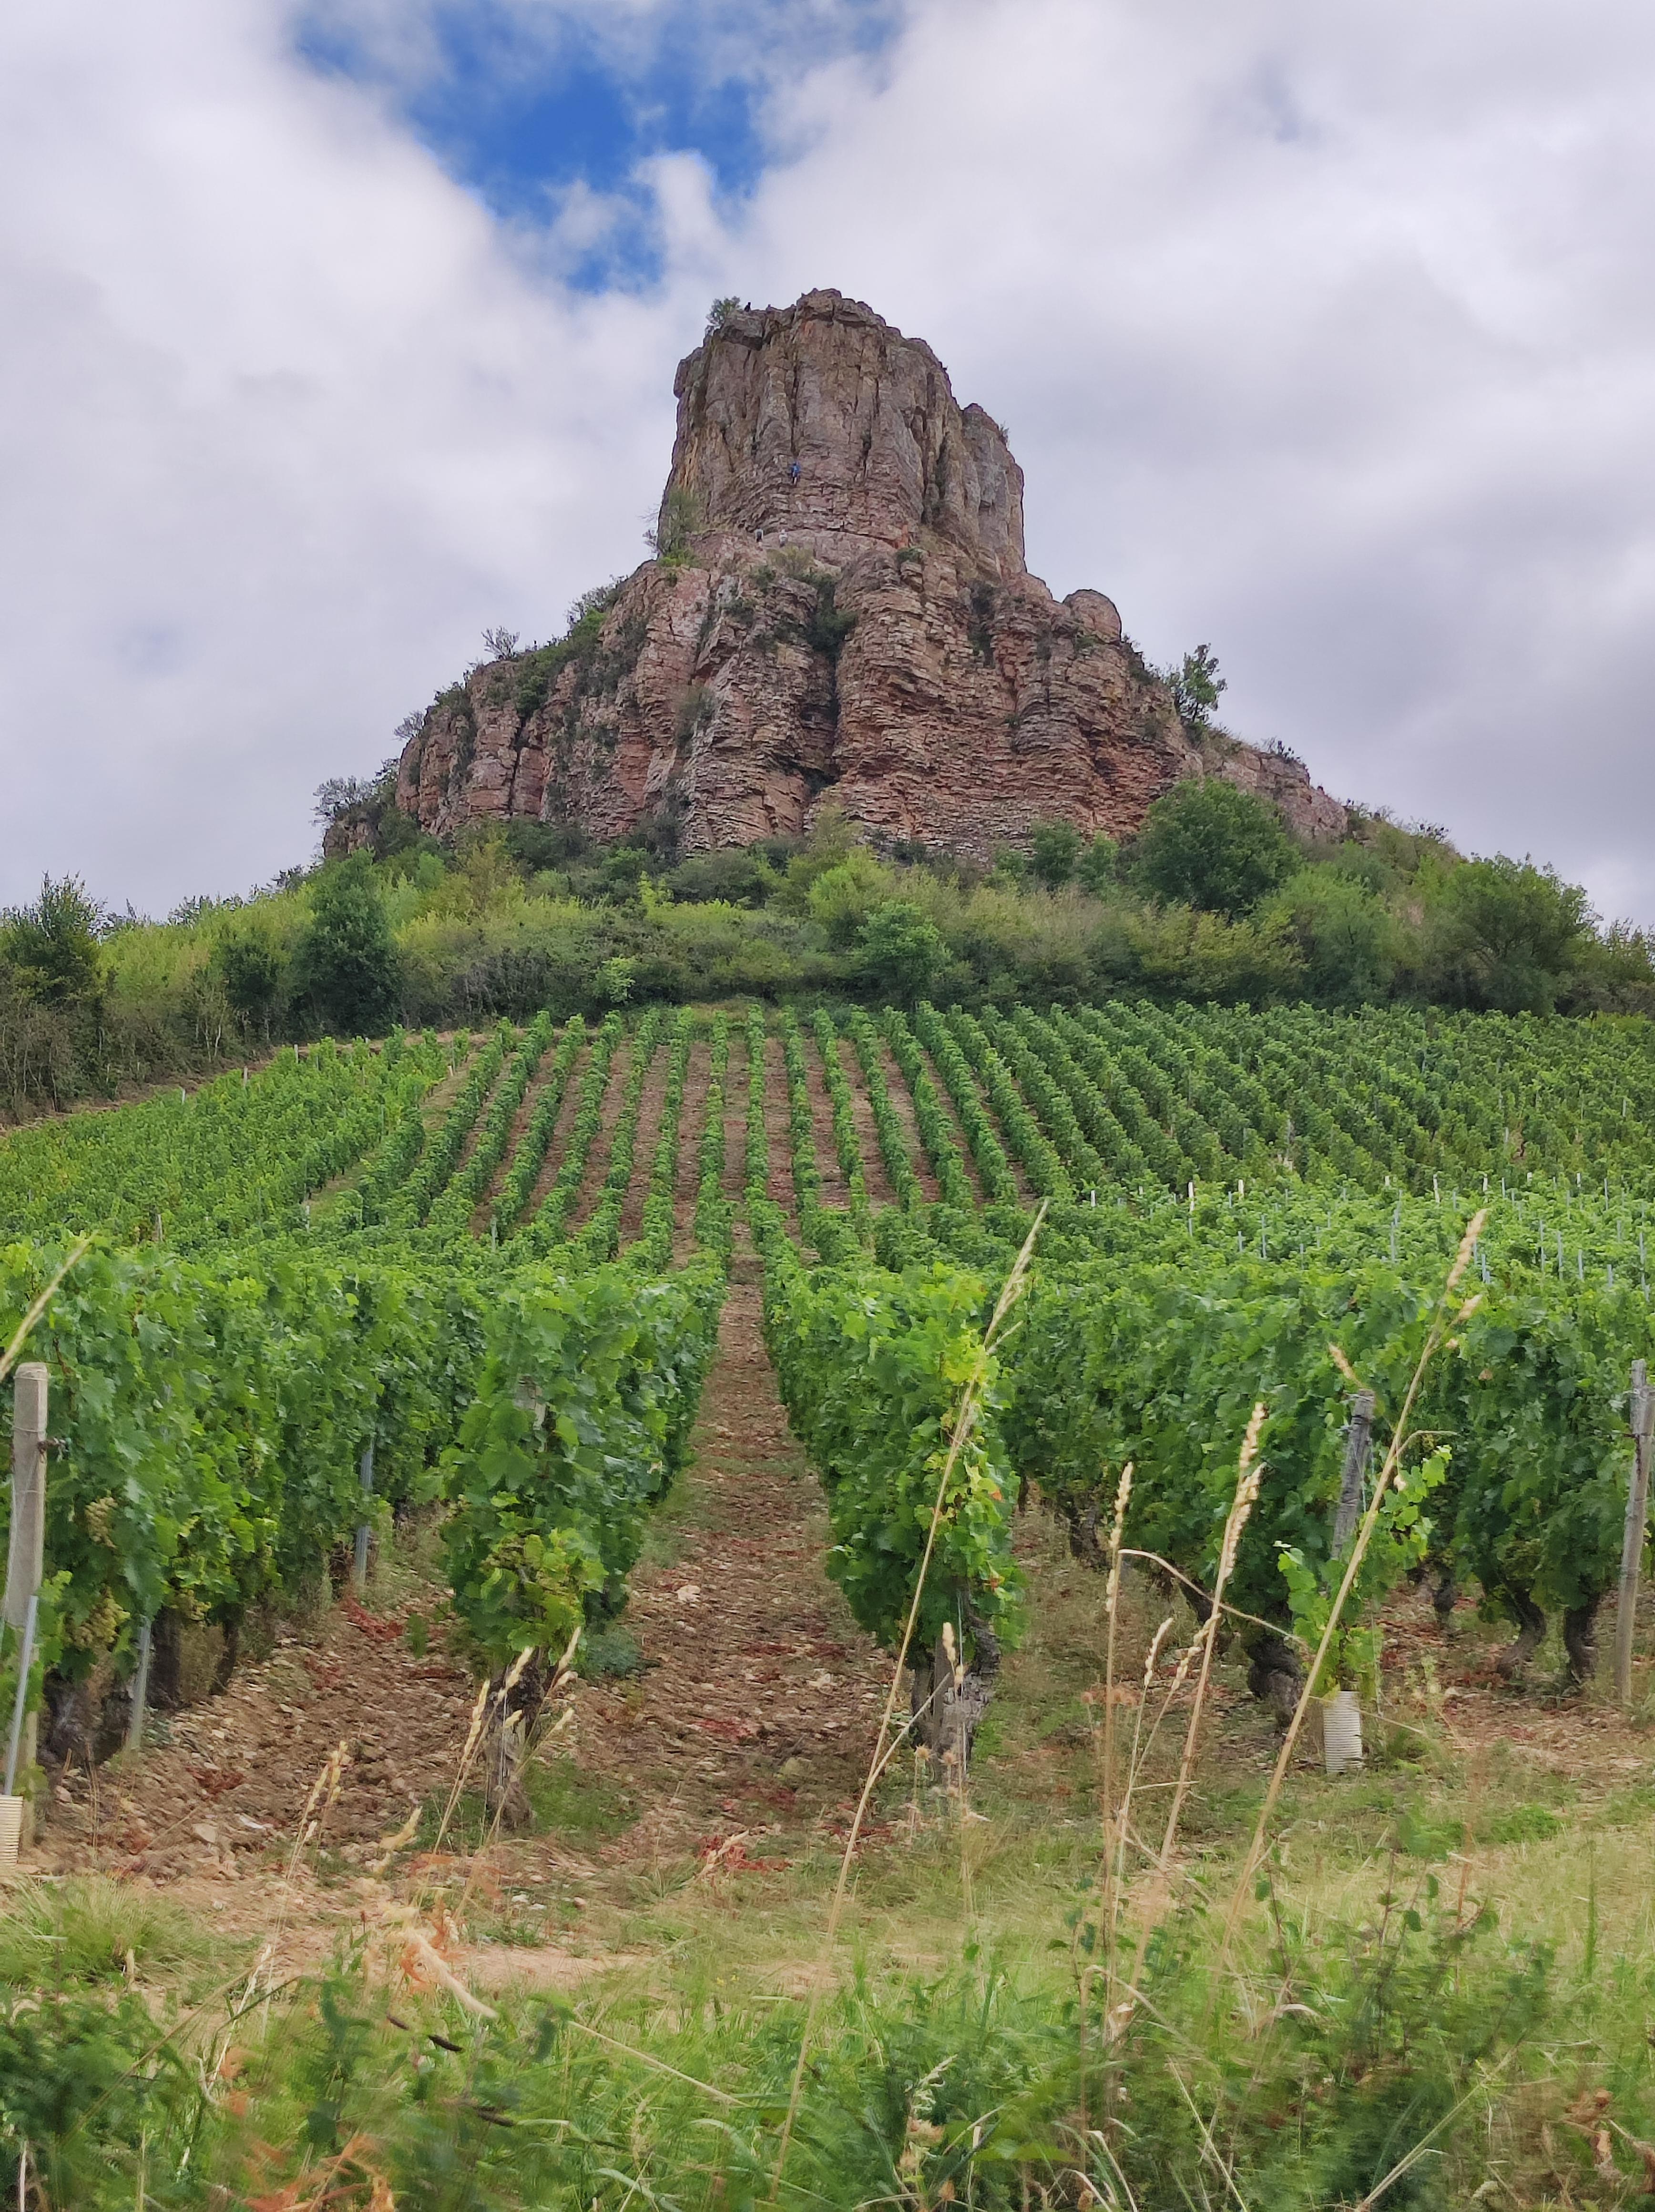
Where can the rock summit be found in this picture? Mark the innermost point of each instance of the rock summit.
(838, 611)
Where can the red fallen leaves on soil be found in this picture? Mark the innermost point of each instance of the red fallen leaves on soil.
(325, 1675)
(779, 1800)
(378, 1628)
(729, 1855)
(216, 1781)
(876, 1831)
(728, 1731)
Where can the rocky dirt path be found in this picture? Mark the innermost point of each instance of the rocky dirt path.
(759, 1697)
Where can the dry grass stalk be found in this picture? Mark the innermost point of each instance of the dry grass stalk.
(25, 1327)
(486, 1699)
(956, 1665)
(323, 1792)
(1445, 1318)
(964, 1420)
(1111, 1610)
(1117, 1827)
(1246, 1495)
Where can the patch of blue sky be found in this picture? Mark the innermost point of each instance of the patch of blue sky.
(526, 105)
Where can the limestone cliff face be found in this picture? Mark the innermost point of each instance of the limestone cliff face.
(838, 611)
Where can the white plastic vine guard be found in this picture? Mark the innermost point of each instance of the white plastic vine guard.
(1342, 1731)
(11, 1830)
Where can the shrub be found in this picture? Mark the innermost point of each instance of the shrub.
(253, 970)
(902, 951)
(345, 965)
(1347, 940)
(53, 945)
(1054, 848)
(843, 898)
(1098, 867)
(1508, 934)
(1207, 845)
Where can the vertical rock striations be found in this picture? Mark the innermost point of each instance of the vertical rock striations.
(838, 609)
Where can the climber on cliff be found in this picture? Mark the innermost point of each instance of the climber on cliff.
(792, 472)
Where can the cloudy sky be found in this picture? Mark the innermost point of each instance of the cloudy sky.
(335, 332)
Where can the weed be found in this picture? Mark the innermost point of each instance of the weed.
(91, 1930)
(612, 1653)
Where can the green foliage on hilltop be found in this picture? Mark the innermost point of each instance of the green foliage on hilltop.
(1213, 901)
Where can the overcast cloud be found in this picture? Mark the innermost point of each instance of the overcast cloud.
(1322, 334)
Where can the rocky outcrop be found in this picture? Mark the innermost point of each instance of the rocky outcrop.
(838, 610)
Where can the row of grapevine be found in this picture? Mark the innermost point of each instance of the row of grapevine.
(546, 1230)
(451, 1213)
(713, 1212)
(869, 1366)
(756, 1166)
(888, 1130)
(1160, 1365)
(410, 1203)
(1148, 1097)
(1149, 1334)
(602, 1232)
(952, 1065)
(801, 1126)
(578, 1422)
(210, 1417)
(660, 1206)
(847, 1146)
(523, 1170)
(930, 1118)
(238, 1158)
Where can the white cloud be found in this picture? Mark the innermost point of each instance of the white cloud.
(1321, 334)
(282, 424)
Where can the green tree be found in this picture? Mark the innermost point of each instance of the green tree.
(843, 896)
(902, 951)
(1508, 934)
(254, 970)
(1099, 865)
(1207, 845)
(346, 963)
(1195, 685)
(53, 945)
(1054, 849)
(1347, 937)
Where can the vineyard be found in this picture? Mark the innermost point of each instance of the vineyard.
(477, 1283)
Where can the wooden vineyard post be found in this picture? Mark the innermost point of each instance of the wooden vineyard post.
(1341, 1712)
(1358, 1438)
(25, 1568)
(140, 1689)
(365, 1472)
(1632, 1546)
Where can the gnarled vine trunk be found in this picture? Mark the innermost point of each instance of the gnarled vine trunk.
(1531, 1633)
(1580, 1638)
(948, 1700)
(505, 1746)
(1276, 1673)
